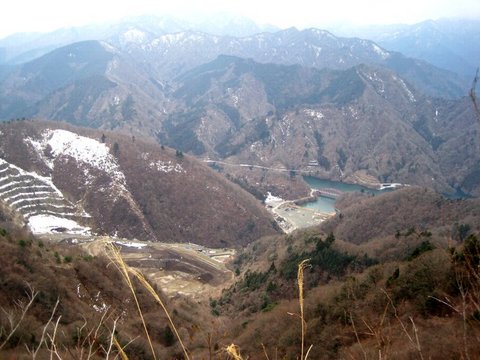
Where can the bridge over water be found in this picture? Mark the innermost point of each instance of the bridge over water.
(329, 192)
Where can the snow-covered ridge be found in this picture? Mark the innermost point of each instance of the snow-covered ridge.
(56, 143)
(134, 35)
(383, 54)
(183, 37)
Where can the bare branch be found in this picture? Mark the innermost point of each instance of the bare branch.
(35, 351)
(53, 349)
(112, 337)
(416, 342)
(31, 295)
(357, 337)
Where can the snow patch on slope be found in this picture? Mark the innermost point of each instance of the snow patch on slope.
(183, 38)
(314, 114)
(167, 167)
(131, 244)
(20, 172)
(55, 143)
(42, 224)
(272, 199)
(383, 54)
(404, 86)
(91, 156)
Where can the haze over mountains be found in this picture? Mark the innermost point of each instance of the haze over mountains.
(20, 48)
(180, 147)
(303, 97)
(446, 43)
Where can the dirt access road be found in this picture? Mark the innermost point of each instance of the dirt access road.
(178, 269)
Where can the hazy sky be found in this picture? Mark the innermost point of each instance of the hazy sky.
(46, 15)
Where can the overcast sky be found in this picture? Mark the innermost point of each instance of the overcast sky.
(47, 15)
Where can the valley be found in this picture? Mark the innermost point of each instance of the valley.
(226, 190)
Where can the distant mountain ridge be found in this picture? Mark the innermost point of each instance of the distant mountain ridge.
(242, 108)
(142, 70)
(450, 44)
(183, 45)
(24, 47)
(307, 100)
(88, 83)
(172, 54)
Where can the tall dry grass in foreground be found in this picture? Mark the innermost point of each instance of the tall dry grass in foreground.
(100, 338)
(232, 350)
(126, 271)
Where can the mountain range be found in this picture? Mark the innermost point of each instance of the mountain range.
(341, 122)
(342, 108)
(344, 121)
(446, 43)
(23, 47)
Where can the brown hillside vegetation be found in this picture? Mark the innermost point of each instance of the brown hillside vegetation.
(411, 294)
(364, 218)
(170, 196)
(421, 303)
(57, 299)
(423, 307)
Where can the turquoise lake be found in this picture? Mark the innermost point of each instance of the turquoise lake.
(325, 204)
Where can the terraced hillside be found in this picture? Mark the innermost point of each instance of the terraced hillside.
(39, 201)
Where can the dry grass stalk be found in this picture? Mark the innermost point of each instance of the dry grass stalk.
(53, 347)
(89, 346)
(122, 354)
(111, 343)
(308, 351)
(233, 351)
(91, 349)
(125, 270)
(357, 337)
(265, 352)
(152, 291)
(301, 268)
(378, 332)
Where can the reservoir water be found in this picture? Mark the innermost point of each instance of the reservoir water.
(327, 204)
